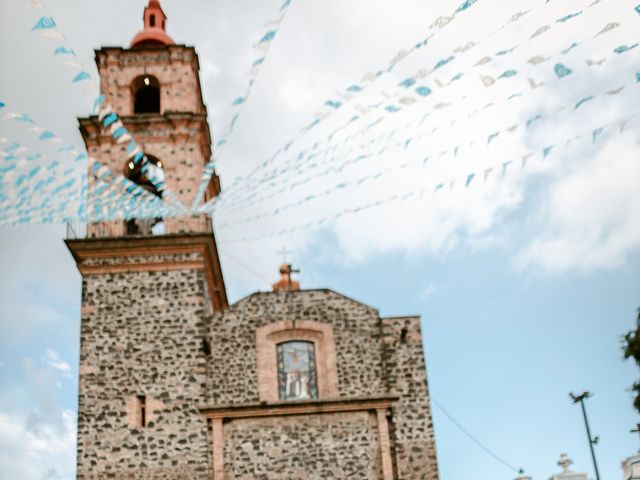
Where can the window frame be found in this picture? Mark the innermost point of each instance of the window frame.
(312, 373)
(137, 85)
(319, 334)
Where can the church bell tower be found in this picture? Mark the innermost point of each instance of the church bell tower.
(174, 383)
(148, 284)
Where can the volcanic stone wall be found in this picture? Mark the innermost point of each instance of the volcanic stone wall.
(359, 351)
(412, 426)
(374, 356)
(310, 447)
(141, 335)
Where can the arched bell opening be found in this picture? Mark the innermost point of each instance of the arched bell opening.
(143, 177)
(145, 91)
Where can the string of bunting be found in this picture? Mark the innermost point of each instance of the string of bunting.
(33, 179)
(402, 144)
(421, 90)
(286, 184)
(355, 88)
(501, 167)
(35, 186)
(560, 71)
(109, 119)
(262, 47)
(559, 68)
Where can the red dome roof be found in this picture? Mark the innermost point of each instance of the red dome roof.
(154, 33)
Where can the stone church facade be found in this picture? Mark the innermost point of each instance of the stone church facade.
(175, 383)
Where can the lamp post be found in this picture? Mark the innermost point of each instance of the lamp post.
(592, 441)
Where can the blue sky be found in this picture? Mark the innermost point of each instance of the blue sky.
(525, 281)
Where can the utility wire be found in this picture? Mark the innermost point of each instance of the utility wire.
(248, 269)
(472, 438)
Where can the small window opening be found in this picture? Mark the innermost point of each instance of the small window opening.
(403, 335)
(146, 94)
(206, 347)
(152, 20)
(142, 405)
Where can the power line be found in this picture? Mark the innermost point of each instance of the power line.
(247, 268)
(472, 438)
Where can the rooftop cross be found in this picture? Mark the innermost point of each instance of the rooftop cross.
(284, 252)
(291, 270)
(286, 282)
(565, 462)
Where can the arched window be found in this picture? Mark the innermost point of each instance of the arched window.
(297, 376)
(296, 360)
(145, 90)
(155, 170)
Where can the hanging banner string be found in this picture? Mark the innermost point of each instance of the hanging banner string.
(27, 176)
(559, 68)
(355, 88)
(107, 195)
(262, 47)
(401, 144)
(30, 182)
(231, 203)
(47, 27)
(423, 91)
(287, 184)
(435, 187)
(137, 203)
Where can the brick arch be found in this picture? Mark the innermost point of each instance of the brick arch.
(145, 94)
(320, 334)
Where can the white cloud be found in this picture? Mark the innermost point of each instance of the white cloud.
(52, 359)
(591, 217)
(297, 91)
(304, 68)
(45, 453)
(428, 290)
(37, 435)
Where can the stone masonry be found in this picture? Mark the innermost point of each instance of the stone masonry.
(141, 336)
(374, 356)
(175, 384)
(336, 445)
(148, 334)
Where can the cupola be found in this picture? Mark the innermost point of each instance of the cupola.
(286, 282)
(154, 33)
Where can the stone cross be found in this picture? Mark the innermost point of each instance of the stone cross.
(565, 462)
(284, 252)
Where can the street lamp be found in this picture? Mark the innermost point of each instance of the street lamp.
(592, 440)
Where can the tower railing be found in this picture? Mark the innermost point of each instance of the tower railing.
(81, 230)
(76, 230)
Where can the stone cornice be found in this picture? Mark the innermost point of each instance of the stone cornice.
(305, 407)
(91, 128)
(119, 50)
(121, 248)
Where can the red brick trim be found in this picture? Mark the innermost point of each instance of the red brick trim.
(277, 409)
